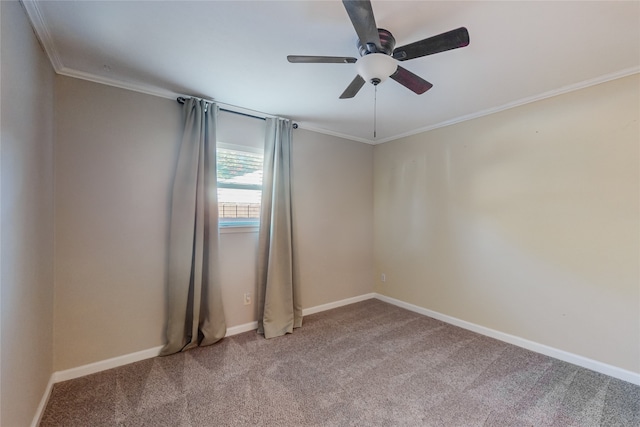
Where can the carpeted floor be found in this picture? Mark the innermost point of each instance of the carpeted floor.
(367, 364)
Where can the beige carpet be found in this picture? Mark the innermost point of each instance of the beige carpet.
(367, 364)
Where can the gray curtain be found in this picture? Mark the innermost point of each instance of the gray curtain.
(195, 314)
(278, 296)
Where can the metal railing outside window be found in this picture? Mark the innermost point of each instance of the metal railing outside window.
(239, 210)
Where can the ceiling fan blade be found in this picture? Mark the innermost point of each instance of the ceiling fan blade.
(353, 87)
(409, 80)
(361, 15)
(306, 59)
(446, 41)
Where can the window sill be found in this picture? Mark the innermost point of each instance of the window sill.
(238, 229)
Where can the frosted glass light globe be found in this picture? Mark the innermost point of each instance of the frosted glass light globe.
(376, 67)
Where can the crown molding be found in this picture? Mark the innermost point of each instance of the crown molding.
(151, 90)
(44, 36)
(135, 87)
(42, 33)
(302, 125)
(555, 92)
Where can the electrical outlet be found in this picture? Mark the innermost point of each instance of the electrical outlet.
(383, 277)
(247, 298)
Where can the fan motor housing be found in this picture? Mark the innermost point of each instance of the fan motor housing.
(387, 43)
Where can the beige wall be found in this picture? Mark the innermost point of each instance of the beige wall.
(26, 225)
(115, 156)
(525, 221)
(332, 216)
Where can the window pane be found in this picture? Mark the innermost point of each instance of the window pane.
(239, 187)
(239, 167)
(233, 203)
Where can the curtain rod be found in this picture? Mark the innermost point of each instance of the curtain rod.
(181, 100)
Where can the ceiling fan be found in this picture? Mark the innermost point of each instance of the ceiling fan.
(379, 56)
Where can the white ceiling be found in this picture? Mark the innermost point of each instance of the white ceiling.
(235, 52)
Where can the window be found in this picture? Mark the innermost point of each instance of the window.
(239, 185)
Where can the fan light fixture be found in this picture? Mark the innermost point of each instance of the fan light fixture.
(376, 67)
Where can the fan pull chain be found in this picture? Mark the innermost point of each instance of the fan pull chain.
(375, 109)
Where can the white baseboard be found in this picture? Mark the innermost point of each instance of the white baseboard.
(103, 365)
(114, 362)
(336, 304)
(43, 403)
(235, 330)
(251, 326)
(575, 359)
(88, 369)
